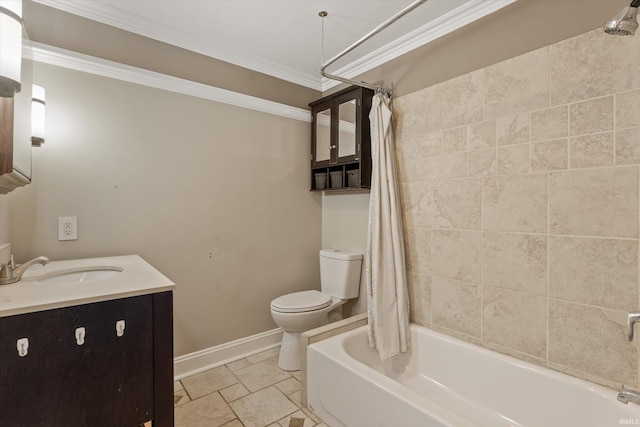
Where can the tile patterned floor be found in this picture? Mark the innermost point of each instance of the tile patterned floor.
(249, 392)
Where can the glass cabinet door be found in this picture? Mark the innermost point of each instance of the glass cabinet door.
(347, 148)
(323, 144)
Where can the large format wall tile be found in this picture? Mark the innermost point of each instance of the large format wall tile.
(418, 249)
(594, 202)
(515, 320)
(482, 162)
(591, 150)
(517, 85)
(512, 129)
(513, 159)
(550, 123)
(454, 139)
(592, 340)
(420, 298)
(457, 203)
(515, 203)
(594, 115)
(602, 272)
(628, 146)
(456, 102)
(450, 165)
(456, 305)
(520, 190)
(456, 254)
(481, 135)
(549, 155)
(515, 261)
(417, 203)
(591, 65)
(628, 109)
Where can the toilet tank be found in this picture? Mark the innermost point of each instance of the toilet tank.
(340, 273)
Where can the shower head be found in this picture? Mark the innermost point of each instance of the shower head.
(626, 22)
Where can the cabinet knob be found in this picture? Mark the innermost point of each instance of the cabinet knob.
(23, 346)
(80, 333)
(120, 328)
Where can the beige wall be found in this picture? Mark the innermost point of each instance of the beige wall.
(57, 28)
(174, 179)
(344, 226)
(520, 189)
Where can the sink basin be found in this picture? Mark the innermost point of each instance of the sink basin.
(80, 274)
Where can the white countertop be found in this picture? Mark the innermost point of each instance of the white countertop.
(28, 295)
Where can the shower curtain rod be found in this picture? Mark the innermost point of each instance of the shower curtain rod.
(375, 31)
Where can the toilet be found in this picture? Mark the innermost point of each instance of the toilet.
(300, 311)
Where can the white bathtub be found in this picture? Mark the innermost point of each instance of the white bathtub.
(447, 382)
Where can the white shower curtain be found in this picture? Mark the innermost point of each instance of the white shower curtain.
(385, 273)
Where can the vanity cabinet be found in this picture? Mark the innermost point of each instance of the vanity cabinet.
(102, 364)
(341, 140)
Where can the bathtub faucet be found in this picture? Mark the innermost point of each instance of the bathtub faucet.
(632, 318)
(625, 396)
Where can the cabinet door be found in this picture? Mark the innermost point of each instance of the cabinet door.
(106, 381)
(322, 139)
(347, 133)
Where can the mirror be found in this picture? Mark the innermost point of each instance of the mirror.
(19, 108)
(323, 135)
(347, 130)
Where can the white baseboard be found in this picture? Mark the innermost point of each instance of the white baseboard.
(202, 360)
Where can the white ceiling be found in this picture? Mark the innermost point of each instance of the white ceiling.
(283, 38)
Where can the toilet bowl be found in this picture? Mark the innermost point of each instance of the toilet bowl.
(301, 311)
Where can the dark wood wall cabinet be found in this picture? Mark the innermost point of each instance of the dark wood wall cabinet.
(341, 141)
(105, 364)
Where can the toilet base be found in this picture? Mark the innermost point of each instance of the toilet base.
(289, 359)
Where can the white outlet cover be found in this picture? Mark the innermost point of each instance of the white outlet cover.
(67, 228)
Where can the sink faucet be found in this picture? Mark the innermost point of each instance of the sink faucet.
(625, 396)
(9, 273)
(632, 318)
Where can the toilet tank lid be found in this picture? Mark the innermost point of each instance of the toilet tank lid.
(340, 254)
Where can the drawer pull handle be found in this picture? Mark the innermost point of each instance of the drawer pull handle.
(23, 346)
(80, 333)
(120, 327)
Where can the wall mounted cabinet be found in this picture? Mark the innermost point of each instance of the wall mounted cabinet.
(341, 141)
(15, 132)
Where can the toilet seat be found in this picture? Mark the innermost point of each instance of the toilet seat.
(300, 302)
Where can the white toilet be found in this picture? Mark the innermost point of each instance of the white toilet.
(301, 311)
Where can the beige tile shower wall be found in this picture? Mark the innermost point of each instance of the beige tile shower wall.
(520, 196)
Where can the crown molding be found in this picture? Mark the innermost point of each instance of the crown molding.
(102, 67)
(461, 16)
(447, 23)
(109, 15)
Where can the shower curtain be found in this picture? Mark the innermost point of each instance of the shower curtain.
(385, 273)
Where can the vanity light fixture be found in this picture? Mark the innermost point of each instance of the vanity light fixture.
(10, 47)
(37, 116)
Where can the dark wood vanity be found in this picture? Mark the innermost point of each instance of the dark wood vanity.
(341, 141)
(106, 378)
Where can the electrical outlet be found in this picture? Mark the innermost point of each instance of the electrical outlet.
(67, 228)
